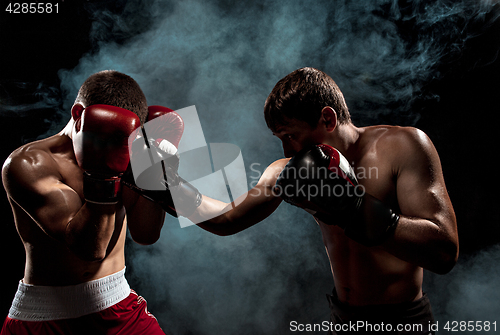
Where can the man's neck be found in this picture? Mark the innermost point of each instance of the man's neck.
(345, 139)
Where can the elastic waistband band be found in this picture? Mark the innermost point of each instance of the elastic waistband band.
(388, 309)
(43, 303)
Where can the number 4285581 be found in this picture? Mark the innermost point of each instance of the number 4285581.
(32, 8)
(471, 326)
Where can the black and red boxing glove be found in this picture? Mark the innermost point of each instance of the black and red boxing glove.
(155, 161)
(320, 180)
(100, 142)
(313, 175)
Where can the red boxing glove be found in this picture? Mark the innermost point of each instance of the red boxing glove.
(156, 141)
(169, 127)
(154, 162)
(100, 142)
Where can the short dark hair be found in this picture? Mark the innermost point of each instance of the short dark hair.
(114, 88)
(302, 95)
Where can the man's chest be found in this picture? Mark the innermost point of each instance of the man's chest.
(377, 178)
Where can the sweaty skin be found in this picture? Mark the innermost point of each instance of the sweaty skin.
(67, 240)
(397, 165)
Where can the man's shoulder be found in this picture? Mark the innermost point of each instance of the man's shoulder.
(409, 140)
(34, 154)
(393, 132)
(396, 138)
(407, 149)
(31, 161)
(400, 147)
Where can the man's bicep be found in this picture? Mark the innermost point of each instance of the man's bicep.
(421, 188)
(37, 190)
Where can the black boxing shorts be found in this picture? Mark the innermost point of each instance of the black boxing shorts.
(406, 318)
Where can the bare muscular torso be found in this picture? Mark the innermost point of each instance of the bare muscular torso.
(48, 260)
(362, 275)
(371, 275)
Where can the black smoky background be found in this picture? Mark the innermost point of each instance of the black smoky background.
(429, 64)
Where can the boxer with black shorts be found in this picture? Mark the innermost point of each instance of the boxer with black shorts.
(377, 194)
(72, 214)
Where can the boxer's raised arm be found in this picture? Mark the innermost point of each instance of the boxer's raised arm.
(145, 213)
(33, 180)
(258, 204)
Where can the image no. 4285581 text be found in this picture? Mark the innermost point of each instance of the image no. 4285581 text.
(32, 8)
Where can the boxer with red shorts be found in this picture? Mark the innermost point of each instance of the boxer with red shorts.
(72, 210)
(103, 306)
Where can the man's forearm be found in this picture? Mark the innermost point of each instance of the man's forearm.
(145, 218)
(424, 243)
(227, 218)
(211, 216)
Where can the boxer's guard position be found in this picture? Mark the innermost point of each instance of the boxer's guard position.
(72, 213)
(377, 194)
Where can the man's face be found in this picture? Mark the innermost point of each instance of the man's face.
(296, 135)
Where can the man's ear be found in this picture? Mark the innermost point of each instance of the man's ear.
(76, 111)
(329, 118)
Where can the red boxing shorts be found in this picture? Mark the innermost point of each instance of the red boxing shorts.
(103, 306)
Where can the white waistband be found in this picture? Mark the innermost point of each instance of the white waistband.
(43, 303)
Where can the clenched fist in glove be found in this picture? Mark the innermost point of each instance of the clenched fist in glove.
(321, 181)
(155, 161)
(100, 142)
